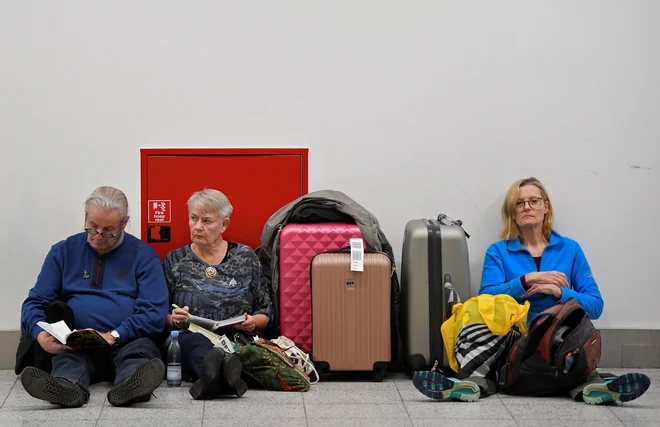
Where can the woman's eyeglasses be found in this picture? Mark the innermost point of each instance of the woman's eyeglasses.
(534, 203)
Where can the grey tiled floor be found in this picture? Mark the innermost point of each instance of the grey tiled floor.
(394, 402)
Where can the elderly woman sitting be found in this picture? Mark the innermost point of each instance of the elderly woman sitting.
(216, 279)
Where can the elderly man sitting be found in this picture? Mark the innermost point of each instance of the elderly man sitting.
(114, 284)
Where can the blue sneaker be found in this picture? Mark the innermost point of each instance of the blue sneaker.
(621, 389)
(437, 386)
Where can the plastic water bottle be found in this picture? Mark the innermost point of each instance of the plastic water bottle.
(174, 361)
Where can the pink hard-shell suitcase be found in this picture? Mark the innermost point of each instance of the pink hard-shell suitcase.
(299, 243)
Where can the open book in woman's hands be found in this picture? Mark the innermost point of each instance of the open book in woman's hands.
(213, 325)
(84, 338)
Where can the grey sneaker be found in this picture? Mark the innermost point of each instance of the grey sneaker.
(621, 389)
(437, 386)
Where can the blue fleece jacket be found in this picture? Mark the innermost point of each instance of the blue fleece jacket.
(124, 290)
(508, 260)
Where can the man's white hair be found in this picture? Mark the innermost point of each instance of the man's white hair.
(108, 198)
(210, 200)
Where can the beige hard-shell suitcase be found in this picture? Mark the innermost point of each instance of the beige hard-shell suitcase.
(351, 313)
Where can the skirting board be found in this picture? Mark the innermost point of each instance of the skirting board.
(622, 348)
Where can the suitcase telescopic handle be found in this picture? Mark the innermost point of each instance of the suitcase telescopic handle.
(446, 220)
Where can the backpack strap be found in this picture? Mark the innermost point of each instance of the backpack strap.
(510, 371)
(563, 311)
(525, 347)
(552, 312)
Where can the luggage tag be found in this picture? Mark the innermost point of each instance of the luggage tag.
(357, 254)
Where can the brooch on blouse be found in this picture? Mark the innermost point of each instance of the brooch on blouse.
(210, 272)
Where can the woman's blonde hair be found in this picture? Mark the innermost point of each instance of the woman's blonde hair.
(511, 230)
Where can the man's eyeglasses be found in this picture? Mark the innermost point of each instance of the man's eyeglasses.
(104, 234)
(534, 203)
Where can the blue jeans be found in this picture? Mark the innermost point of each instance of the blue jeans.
(194, 347)
(86, 367)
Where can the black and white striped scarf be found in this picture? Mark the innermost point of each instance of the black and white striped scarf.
(478, 349)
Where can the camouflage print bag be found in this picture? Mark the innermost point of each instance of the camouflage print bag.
(266, 363)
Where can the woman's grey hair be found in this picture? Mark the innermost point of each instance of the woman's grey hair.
(210, 200)
(108, 198)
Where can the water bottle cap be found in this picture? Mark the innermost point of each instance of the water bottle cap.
(174, 333)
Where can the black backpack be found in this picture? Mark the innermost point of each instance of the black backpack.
(558, 352)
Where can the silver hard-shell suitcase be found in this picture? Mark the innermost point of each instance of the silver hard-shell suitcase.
(435, 275)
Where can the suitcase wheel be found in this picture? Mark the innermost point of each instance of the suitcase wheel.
(417, 362)
(323, 368)
(380, 371)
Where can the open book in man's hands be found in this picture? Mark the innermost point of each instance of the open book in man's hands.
(85, 338)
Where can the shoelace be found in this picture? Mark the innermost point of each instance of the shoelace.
(298, 357)
(302, 360)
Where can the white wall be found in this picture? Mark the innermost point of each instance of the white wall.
(411, 108)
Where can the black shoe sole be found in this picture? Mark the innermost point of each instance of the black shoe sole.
(42, 385)
(231, 376)
(139, 386)
(211, 371)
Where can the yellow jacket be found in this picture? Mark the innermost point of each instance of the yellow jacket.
(499, 312)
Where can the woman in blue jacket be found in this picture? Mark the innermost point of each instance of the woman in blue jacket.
(534, 263)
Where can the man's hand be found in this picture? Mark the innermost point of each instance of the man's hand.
(249, 325)
(544, 288)
(556, 278)
(108, 337)
(50, 344)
